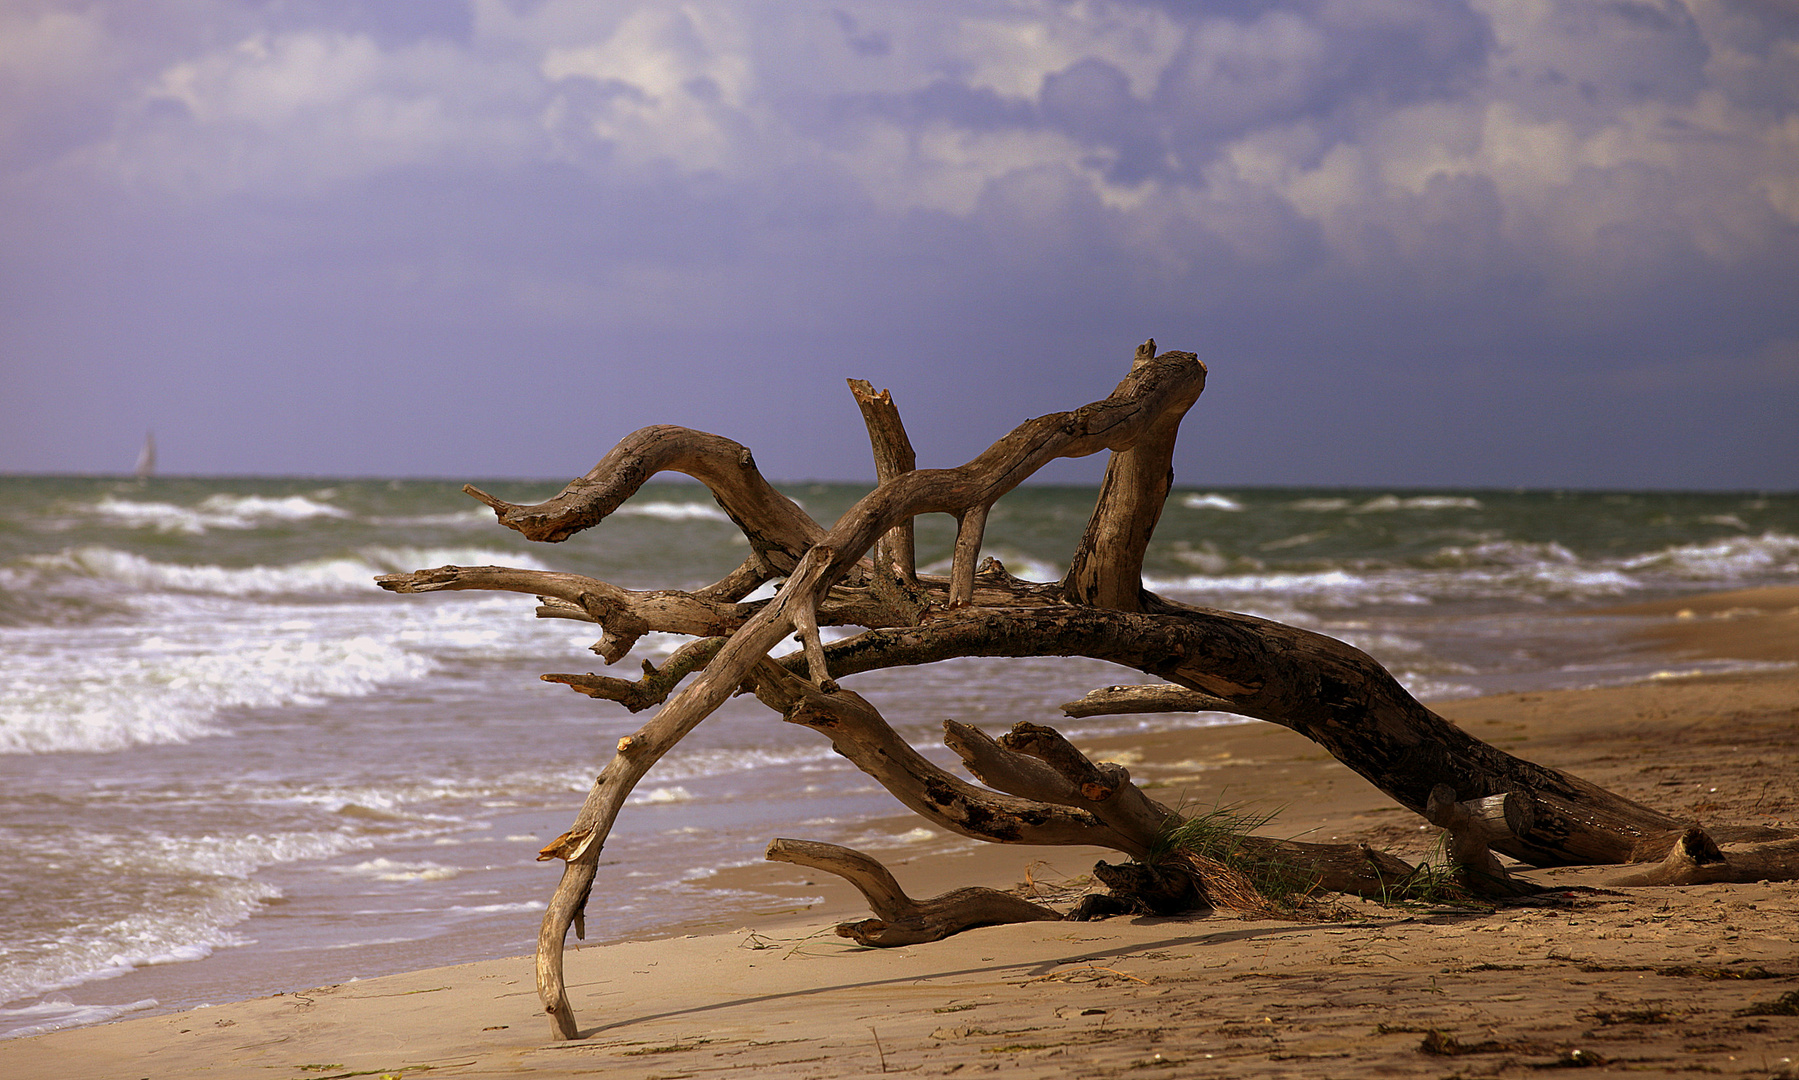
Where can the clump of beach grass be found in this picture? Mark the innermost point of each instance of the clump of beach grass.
(1243, 872)
(1217, 848)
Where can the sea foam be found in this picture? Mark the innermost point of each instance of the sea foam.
(173, 686)
(218, 511)
(206, 889)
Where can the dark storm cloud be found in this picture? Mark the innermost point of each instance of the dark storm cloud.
(1417, 242)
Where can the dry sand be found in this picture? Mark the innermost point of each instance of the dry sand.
(1645, 982)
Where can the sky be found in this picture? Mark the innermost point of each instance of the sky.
(1418, 243)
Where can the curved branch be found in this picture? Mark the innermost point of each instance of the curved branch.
(657, 682)
(1106, 570)
(858, 732)
(625, 615)
(636, 754)
(899, 919)
(1330, 692)
(1038, 763)
(1119, 700)
(774, 524)
(749, 576)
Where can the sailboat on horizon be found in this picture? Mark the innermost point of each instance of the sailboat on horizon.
(146, 458)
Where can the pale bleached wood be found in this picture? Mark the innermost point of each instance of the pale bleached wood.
(1321, 688)
(778, 530)
(1106, 569)
(1119, 700)
(1470, 828)
(624, 615)
(1110, 424)
(970, 530)
(859, 733)
(893, 454)
(1695, 858)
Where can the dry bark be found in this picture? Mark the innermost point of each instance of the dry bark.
(899, 919)
(860, 571)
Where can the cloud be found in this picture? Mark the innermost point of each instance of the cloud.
(1313, 187)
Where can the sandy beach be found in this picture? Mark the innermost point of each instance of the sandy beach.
(1649, 982)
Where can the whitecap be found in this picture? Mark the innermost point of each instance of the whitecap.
(662, 796)
(494, 909)
(385, 869)
(1389, 503)
(1212, 501)
(57, 1012)
(1723, 561)
(217, 511)
(209, 855)
(183, 927)
(684, 764)
(107, 688)
(96, 564)
(672, 511)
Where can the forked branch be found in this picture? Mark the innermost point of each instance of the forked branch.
(1041, 790)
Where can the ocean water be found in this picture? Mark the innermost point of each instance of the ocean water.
(230, 765)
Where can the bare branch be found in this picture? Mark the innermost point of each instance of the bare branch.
(1117, 700)
(899, 919)
(969, 532)
(657, 682)
(893, 456)
(775, 526)
(1330, 692)
(624, 615)
(858, 732)
(1047, 792)
(1106, 570)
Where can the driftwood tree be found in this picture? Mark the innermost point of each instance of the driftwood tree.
(1038, 789)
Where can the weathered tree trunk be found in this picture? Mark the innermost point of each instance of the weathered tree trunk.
(861, 571)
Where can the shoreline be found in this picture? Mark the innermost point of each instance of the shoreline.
(1647, 979)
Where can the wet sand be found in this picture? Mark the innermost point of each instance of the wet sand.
(1644, 982)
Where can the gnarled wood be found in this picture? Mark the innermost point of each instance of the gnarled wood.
(858, 732)
(1471, 828)
(894, 456)
(899, 919)
(1696, 857)
(777, 529)
(1330, 692)
(1041, 790)
(1106, 570)
(1037, 763)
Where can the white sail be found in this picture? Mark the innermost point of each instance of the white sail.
(146, 458)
